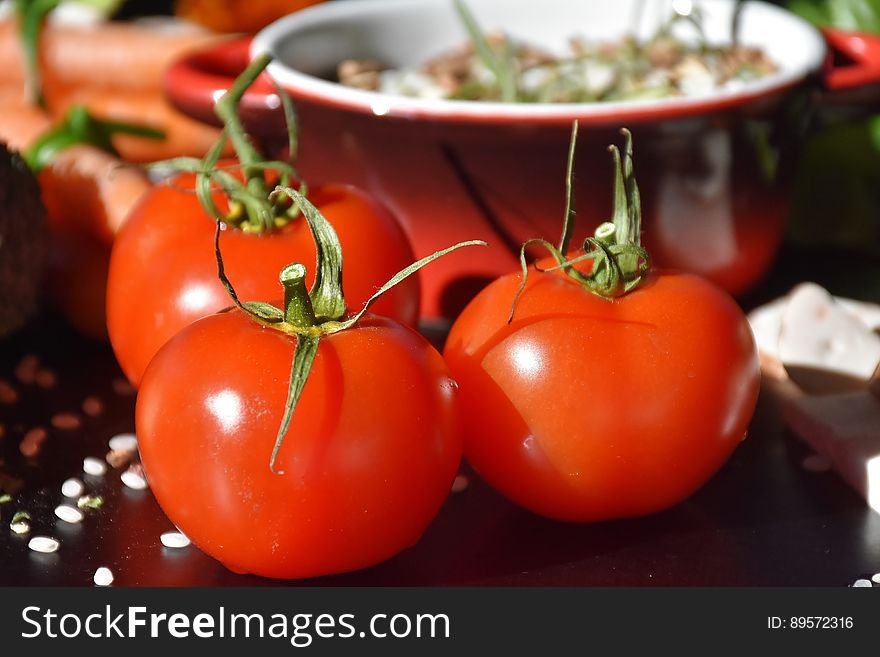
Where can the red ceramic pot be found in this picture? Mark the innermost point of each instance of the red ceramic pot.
(715, 170)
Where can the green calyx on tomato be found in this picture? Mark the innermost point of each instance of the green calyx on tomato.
(308, 315)
(253, 208)
(619, 260)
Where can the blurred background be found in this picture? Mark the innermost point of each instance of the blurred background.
(844, 157)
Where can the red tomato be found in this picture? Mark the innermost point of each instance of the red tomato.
(587, 409)
(163, 274)
(369, 458)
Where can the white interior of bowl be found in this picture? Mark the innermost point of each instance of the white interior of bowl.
(403, 33)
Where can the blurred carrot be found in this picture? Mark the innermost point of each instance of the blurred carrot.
(88, 194)
(121, 56)
(20, 121)
(235, 15)
(90, 191)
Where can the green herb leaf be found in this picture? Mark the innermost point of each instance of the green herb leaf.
(90, 502)
(502, 67)
(31, 15)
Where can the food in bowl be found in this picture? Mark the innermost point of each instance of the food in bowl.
(495, 67)
(717, 168)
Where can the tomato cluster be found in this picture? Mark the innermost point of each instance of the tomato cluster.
(300, 439)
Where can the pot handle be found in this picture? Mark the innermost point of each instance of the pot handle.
(194, 82)
(862, 49)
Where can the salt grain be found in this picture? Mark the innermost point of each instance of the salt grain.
(72, 488)
(103, 577)
(816, 463)
(124, 442)
(94, 466)
(862, 583)
(134, 478)
(460, 483)
(174, 540)
(20, 527)
(43, 544)
(66, 421)
(68, 513)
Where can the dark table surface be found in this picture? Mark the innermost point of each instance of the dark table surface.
(763, 520)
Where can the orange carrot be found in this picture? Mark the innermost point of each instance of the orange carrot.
(88, 190)
(122, 56)
(20, 121)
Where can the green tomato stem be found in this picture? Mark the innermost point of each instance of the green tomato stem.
(31, 16)
(298, 309)
(226, 110)
(303, 359)
(568, 217)
(619, 261)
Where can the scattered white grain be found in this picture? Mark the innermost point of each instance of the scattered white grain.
(68, 513)
(862, 583)
(20, 527)
(43, 544)
(94, 466)
(134, 479)
(124, 442)
(816, 463)
(103, 576)
(460, 483)
(876, 578)
(174, 540)
(73, 487)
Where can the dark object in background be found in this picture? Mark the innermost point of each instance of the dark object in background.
(22, 241)
(137, 8)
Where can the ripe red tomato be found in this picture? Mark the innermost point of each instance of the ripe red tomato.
(587, 409)
(369, 458)
(163, 274)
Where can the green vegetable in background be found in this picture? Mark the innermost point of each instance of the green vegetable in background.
(846, 14)
(837, 194)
